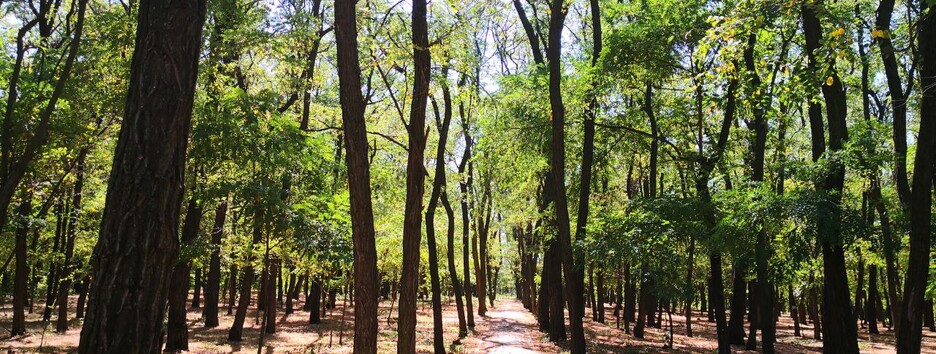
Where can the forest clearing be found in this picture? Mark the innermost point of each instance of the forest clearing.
(459, 176)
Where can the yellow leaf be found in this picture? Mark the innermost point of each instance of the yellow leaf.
(880, 33)
(829, 81)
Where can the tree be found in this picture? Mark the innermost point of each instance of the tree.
(362, 215)
(910, 327)
(839, 333)
(139, 238)
(573, 288)
(415, 181)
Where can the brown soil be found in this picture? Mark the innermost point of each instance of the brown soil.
(507, 328)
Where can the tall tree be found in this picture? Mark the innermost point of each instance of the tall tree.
(438, 183)
(839, 332)
(910, 327)
(415, 181)
(362, 214)
(139, 230)
(573, 288)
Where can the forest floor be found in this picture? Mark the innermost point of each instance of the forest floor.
(507, 328)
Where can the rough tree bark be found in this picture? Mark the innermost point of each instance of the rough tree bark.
(139, 229)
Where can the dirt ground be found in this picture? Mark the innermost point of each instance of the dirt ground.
(507, 328)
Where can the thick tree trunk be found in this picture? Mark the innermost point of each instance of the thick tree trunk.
(139, 229)
(362, 215)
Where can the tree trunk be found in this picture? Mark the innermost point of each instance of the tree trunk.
(139, 229)
(83, 296)
(213, 286)
(22, 268)
(362, 215)
(442, 126)
(910, 326)
(645, 307)
(269, 313)
(232, 289)
(794, 310)
(415, 186)
(453, 272)
(71, 233)
(236, 332)
(289, 293)
(840, 333)
(870, 306)
(315, 302)
(736, 324)
(754, 316)
(764, 288)
(570, 270)
(600, 297)
(552, 265)
(177, 324)
(58, 242)
(196, 294)
(689, 299)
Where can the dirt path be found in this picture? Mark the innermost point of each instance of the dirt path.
(508, 328)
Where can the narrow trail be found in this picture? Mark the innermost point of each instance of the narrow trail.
(508, 328)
